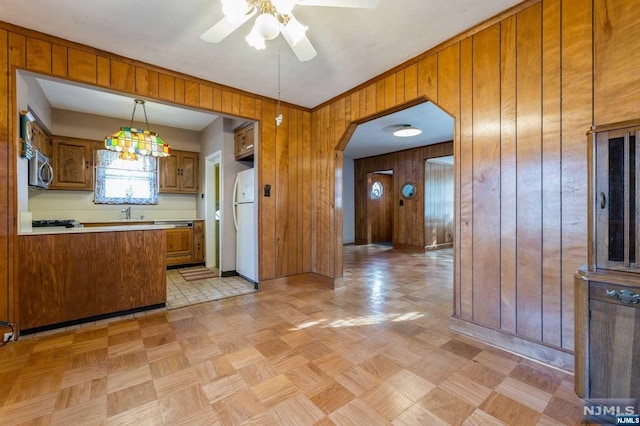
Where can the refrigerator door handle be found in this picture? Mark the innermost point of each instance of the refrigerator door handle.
(235, 203)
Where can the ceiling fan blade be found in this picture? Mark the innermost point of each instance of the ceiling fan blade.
(363, 4)
(303, 49)
(224, 27)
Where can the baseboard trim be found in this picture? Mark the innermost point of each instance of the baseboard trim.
(301, 279)
(553, 357)
(408, 248)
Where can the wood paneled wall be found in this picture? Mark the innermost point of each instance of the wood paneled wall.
(284, 153)
(438, 204)
(407, 166)
(520, 89)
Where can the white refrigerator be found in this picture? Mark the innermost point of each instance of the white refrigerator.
(244, 217)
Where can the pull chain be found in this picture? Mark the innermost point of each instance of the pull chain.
(279, 116)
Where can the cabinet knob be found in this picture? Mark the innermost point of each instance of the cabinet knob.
(625, 296)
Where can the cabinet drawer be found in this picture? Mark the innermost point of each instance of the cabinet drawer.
(614, 293)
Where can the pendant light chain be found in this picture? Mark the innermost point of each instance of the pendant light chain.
(279, 114)
(137, 102)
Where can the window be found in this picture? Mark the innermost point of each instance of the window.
(376, 190)
(125, 181)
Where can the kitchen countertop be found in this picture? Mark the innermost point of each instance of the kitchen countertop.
(114, 228)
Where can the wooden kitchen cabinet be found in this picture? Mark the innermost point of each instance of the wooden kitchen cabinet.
(40, 140)
(198, 241)
(244, 143)
(67, 278)
(607, 289)
(179, 246)
(179, 173)
(72, 162)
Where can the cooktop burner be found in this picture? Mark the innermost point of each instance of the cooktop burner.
(67, 223)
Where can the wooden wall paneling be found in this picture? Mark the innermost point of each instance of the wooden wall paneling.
(486, 176)
(338, 160)
(508, 174)
(83, 66)
(166, 87)
(178, 90)
(355, 106)
(400, 87)
(360, 202)
(449, 100)
(400, 211)
(106, 294)
(206, 96)
(371, 99)
(59, 61)
(235, 104)
(324, 209)
(38, 55)
(217, 100)
(247, 106)
(465, 159)
(146, 82)
(285, 211)
(104, 71)
(307, 190)
(122, 76)
(227, 101)
(295, 189)
(380, 95)
(267, 173)
(338, 109)
(17, 50)
(411, 82)
(191, 93)
(576, 120)
(617, 72)
(390, 91)
(529, 173)
(6, 270)
(551, 175)
(428, 77)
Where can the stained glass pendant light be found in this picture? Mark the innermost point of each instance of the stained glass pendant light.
(131, 142)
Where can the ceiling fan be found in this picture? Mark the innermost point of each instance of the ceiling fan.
(274, 17)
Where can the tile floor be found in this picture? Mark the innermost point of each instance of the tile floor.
(183, 293)
(376, 352)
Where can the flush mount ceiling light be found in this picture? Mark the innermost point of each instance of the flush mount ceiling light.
(275, 18)
(406, 130)
(131, 142)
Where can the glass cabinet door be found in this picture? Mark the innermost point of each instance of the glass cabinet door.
(617, 219)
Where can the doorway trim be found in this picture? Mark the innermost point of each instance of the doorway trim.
(211, 187)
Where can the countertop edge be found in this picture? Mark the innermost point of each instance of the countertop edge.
(115, 228)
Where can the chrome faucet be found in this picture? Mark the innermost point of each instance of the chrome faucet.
(127, 212)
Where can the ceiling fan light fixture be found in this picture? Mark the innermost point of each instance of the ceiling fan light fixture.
(267, 26)
(406, 130)
(295, 29)
(255, 40)
(284, 7)
(234, 10)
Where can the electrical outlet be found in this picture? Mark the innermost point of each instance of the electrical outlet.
(7, 337)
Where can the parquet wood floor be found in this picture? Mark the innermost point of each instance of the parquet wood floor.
(376, 352)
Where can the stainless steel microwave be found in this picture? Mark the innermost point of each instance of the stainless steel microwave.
(40, 171)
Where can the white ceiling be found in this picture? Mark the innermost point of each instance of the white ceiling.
(376, 137)
(81, 98)
(353, 45)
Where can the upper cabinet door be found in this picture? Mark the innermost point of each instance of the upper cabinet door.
(189, 172)
(179, 173)
(72, 164)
